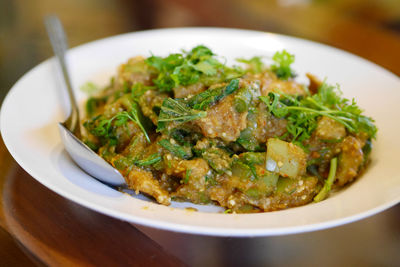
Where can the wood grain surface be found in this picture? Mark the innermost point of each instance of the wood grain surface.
(59, 232)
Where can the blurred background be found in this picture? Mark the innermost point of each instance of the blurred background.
(346, 24)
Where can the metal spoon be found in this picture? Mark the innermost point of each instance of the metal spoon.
(70, 130)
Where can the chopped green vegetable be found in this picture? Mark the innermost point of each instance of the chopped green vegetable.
(328, 183)
(207, 98)
(150, 160)
(187, 176)
(244, 166)
(218, 159)
(93, 103)
(173, 110)
(287, 159)
(243, 99)
(183, 152)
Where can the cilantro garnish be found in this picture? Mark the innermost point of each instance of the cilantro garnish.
(188, 68)
(255, 64)
(102, 127)
(281, 67)
(302, 113)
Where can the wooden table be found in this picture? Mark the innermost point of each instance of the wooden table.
(40, 227)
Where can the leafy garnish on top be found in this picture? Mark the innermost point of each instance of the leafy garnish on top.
(282, 61)
(189, 68)
(302, 113)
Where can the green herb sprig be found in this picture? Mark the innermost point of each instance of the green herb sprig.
(281, 67)
(102, 127)
(302, 113)
(255, 64)
(188, 68)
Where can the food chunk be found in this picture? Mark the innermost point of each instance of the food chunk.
(135, 70)
(143, 181)
(150, 102)
(329, 129)
(192, 174)
(314, 84)
(287, 87)
(189, 90)
(350, 160)
(287, 159)
(223, 121)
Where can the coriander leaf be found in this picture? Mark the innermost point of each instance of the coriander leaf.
(208, 67)
(198, 65)
(281, 67)
(255, 64)
(185, 75)
(199, 52)
(302, 114)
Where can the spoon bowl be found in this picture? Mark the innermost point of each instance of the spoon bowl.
(88, 160)
(70, 130)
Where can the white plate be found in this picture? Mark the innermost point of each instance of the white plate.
(33, 107)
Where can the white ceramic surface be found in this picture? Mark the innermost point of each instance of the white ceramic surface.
(34, 105)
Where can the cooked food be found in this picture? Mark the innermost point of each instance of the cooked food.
(187, 127)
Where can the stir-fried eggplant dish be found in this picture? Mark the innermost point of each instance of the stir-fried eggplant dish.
(249, 138)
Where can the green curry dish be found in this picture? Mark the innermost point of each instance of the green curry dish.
(186, 127)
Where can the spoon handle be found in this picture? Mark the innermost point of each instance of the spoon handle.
(58, 41)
